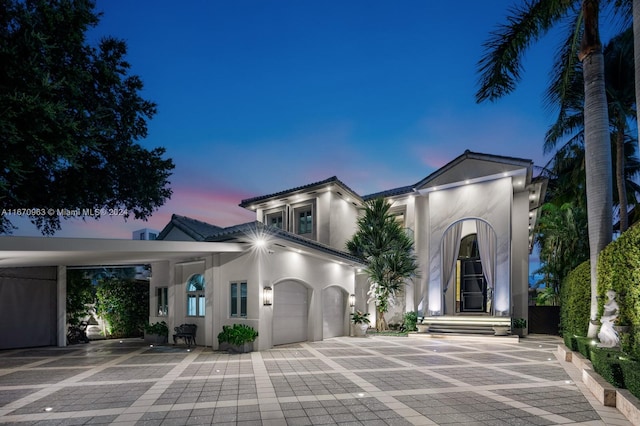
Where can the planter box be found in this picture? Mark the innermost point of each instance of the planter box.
(500, 330)
(155, 339)
(360, 330)
(423, 328)
(236, 349)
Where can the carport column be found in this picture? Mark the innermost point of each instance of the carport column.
(62, 305)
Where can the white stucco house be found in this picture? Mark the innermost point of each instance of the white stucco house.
(287, 273)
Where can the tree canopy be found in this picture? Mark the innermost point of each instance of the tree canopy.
(71, 118)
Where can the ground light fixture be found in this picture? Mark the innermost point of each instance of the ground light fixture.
(267, 296)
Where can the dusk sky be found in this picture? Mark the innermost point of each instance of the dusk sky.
(256, 97)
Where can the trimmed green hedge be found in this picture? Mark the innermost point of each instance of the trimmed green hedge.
(575, 294)
(631, 373)
(606, 363)
(619, 270)
(585, 345)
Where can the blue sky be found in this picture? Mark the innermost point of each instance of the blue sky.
(255, 97)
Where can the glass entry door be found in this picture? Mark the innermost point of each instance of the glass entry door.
(473, 286)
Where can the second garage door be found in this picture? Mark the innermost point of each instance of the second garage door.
(333, 312)
(290, 313)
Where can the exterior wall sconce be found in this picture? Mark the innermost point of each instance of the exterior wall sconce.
(267, 296)
(352, 300)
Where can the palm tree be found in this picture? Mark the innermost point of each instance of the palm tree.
(500, 69)
(561, 234)
(619, 69)
(382, 242)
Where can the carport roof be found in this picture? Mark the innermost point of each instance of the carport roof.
(41, 251)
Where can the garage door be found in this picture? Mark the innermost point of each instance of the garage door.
(333, 312)
(28, 306)
(290, 313)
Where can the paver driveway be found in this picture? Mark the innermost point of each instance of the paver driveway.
(348, 381)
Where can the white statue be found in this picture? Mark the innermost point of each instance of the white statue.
(608, 335)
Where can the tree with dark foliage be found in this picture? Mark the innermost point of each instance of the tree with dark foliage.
(71, 118)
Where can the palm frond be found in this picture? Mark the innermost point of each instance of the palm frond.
(501, 65)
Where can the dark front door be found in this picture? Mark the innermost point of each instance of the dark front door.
(473, 286)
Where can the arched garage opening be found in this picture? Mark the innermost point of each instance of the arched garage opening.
(290, 312)
(334, 311)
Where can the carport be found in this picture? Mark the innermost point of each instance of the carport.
(33, 274)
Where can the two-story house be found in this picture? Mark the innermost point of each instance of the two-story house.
(287, 273)
(471, 221)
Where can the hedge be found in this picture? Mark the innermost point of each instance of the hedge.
(619, 270)
(606, 363)
(631, 373)
(575, 294)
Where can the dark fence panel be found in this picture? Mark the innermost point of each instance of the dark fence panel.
(544, 319)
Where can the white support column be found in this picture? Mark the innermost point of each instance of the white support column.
(62, 306)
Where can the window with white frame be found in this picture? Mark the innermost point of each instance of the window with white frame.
(304, 220)
(162, 295)
(275, 219)
(238, 299)
(195, 296)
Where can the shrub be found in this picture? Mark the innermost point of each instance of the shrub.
(238, 334)
(519, 323)
(606, 363)
(359, 317)
(124, 304)
(619, 270)
(410, 320)
(158, 328)
(576, 300)
(570, 341)
(585, 344)
(631, 373)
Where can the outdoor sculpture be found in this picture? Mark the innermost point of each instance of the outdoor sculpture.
(608, 336)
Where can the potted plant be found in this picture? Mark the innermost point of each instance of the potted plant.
(157, 333)
(360, 322)
(518, 325)
(500, 330)
(238, 338)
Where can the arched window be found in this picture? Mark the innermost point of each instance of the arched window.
(195, 296)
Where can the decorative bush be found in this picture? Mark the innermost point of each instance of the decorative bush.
(238, 334)
(124, 304)
(519, 323)
(359, 317)
(606, 363)
(619, 270)
(631, 373)
(585, 345)
(410, 320)
(158, 328)
(570, 341)
(576, 300)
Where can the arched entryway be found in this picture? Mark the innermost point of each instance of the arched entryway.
(290, 312)
(468, 267)
(334, 310)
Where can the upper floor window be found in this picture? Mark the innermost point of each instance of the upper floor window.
(195, 296)
(274, 219)
(304, 220)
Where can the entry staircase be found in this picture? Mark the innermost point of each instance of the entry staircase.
(464, 324)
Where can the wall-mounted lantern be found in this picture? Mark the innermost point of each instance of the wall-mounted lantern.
(352, 300)
(267, 296)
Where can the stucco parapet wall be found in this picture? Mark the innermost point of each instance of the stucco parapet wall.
(41, 251)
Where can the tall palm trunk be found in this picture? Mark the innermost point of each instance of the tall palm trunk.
(636, 55)
(597, 148)
(620, 180)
